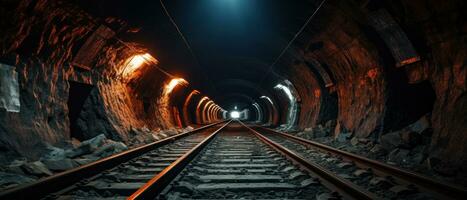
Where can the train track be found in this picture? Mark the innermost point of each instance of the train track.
(115, 177)
(239, 163)
(384, 180)
(235, 161)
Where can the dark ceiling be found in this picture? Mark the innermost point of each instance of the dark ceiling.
(235, 41)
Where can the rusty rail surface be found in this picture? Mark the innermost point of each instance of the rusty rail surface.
(440, 189)
(57, 182)
(157, 184)
(344, 187)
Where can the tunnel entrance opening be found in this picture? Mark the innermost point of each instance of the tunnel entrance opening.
(78, 93)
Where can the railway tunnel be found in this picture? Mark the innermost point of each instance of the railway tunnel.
(382, 79)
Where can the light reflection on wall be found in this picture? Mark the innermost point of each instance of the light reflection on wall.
(186, 103)
(174, 83)
(205, 111)
(292, 119)
(286, 91)
(259, 112)
(164, 100)
(135, 62)
(267, 98)
(198, 111)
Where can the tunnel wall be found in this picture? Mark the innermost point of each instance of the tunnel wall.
(439, 32)
(310, 94)
(379, 92)
(41, 63)
(356, 67)
(42, 39)
(358, 70)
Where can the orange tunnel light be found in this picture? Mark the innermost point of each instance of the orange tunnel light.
(186, 103)
(210, 113)
(135, 62)
(173, 83)
(198, 111)
(216, 113)
(204, 112)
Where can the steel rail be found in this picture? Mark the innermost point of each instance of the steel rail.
(344, 187)
(438, 188)
(60, 181)
(157, 184)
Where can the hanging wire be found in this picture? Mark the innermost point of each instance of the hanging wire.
(270, 69)
(187, 44)
(178, 29)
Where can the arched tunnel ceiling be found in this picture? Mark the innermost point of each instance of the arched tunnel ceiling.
(240, 86)
(230, 39)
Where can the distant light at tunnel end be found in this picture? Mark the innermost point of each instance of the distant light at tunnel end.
(234, 114)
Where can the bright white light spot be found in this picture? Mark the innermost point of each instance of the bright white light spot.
(235, 114)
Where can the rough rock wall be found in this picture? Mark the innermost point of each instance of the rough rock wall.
(328, 109)
(111, 110)
(357, 68)
(89, 123)
(40, 47)
(41, 38)
(164, 109)
(116, 97)
(149, 88)
(373, 95)
(368, 81)
(439, 30)
(450, 109)
(317, 106)
(310, 93)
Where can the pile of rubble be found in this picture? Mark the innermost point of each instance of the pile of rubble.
(406, 148)
(58, 159)
(140, 136)
(320, 131)
(75, 154)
